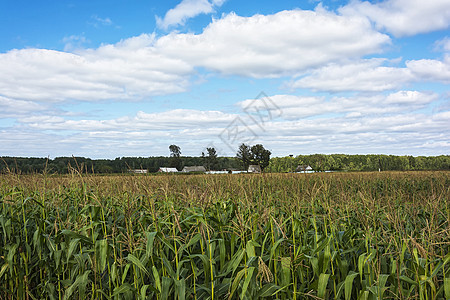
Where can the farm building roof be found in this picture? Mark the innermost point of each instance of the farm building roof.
(167, 170)
(254, 169)
(194, 169)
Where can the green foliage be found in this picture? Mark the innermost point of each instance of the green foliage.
(175, 157)
(65, 165)
(254, 155)
(370, 162)
(271, 236)
(210, 161)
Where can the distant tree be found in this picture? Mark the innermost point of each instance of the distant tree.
(210, 161)
(244, 155)
(255, 155)
(175, 157)
(260, 155)
(175, 151)
(212, 158)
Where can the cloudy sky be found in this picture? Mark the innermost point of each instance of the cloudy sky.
(112, 78)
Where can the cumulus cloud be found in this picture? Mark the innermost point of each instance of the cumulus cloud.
(403, 17)
(165, 121)
(378, 124)
(14, 108)
(185, 10)
(284, 43)
(129, 70)
(293, 107)
(367, 75)
(430, 69)
(370, 75)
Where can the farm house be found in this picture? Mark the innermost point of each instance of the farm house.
(167, 170)
(254, 169)
(194, 169)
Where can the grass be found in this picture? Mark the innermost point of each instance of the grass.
(242, 236)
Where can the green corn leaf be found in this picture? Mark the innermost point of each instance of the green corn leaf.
(80, 283)
(3, 269)
(247, 280)
(275, 246)
(197, 237)
(101, 252)
(165, 286)
(236, 281)
(408, 280)
(236, 260)
(349, 285)
(322, 286)
(156, 277)
(114, 272)
(285, 270)
(143, 292)
(222, 252)
(267, 290)
(72, 246)
(180, 289)
(150, 241)
(58, 255)
(446, 288)
(250, 249)
(74, 235)
(169, 269)
(364, 295)
(137, 263)
(124, 288)
(382, 279)
(361, 263)
(125, 272)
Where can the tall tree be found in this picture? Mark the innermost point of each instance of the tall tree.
(244, 154)
(261, 156)
(175, 157)
(175, 151)
(211, 159)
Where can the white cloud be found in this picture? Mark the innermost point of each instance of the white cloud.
(285, 43)
(364, 75)
(299, 107)
(410, 97)
(392, 124)
(430, 69)
(403, 17)
(185, 10)
(369, 75)
(74, 42)
(443, 45)
(13, 108)
(129, 70)
(178, 119)
(97, 21)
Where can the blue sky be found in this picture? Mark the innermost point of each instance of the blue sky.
(106, 79)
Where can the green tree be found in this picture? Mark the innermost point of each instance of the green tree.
(260, 156)
(244, 155)
(175, 157)
(211, 159)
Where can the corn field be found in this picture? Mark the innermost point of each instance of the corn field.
(242, 236)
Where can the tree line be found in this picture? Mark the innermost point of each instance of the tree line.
(369, 162)
(65, 165)
(245, 156)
